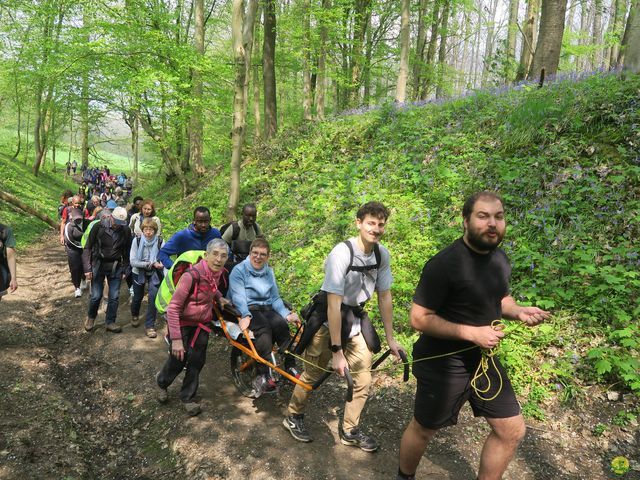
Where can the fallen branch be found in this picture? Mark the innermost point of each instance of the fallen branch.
(7, 197)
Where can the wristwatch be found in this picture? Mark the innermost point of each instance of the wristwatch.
(336, 348)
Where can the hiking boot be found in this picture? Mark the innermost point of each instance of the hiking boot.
(78, 293)
(113, 328)
(135, 321)
(192, 409)
(150, 332)
(295, 425)
(89, 323)
(161, 393)
(358, 439)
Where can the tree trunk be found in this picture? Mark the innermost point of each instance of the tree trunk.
(171, 161)
(195, 125)
(240, 26)
(269, 71)
(322, 68)
(488, 48)
(403, 73)
(596, 39)
(442, 51)
(630, 49)
(307, 98)
(620, 9)
(512, 30)
(11, 199)
(427, 78)
(361, 16)
(547, 53)
(135, 145)
(26, 149)
(421, 41)
(529, 39)
(84, 101)
(581, 61)
(257, 134)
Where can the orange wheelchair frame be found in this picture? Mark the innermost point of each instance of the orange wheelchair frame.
(250, 351)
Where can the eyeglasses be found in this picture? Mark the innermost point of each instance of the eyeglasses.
(260, 254)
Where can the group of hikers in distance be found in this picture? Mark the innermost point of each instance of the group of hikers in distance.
(460, 298)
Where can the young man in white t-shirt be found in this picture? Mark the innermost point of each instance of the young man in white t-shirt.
(353, 271)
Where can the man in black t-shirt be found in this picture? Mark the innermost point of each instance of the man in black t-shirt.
(462, 290)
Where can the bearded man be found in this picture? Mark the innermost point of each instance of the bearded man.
(462, 291)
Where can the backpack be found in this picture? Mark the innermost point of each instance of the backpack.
(61, 209)
(236, 230)
(87, 231)
(313, 324)
(181, 266)
(320, 296)
(73, 234)
(5, 274)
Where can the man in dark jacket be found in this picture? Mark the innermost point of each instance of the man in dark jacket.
(195, 237)
(106, 257)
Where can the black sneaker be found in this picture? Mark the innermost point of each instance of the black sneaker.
(358, 439)
(295, 425)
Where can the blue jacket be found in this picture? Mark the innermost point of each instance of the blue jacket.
(248, 286)
(183, 241)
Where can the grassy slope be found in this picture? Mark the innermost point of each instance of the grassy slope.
(566, 160)
(42, 192)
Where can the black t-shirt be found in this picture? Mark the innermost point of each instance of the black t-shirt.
(461, 286)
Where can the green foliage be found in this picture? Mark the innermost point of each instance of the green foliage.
(42, 193)
(564, 159)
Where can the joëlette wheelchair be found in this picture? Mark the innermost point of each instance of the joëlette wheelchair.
(244, 357)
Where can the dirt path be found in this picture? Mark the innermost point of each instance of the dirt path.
(75, 405)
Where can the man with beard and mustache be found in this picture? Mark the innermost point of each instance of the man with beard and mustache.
(462, 291)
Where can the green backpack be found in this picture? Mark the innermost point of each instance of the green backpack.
(168, 286)
(87, 231)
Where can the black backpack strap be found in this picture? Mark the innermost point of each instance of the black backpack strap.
(363, 268)
(236, 231)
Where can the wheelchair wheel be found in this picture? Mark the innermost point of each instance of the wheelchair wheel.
(243, 371)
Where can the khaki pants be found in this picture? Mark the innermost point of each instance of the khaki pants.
(319, 353)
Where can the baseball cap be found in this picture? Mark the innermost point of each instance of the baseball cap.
(111, 204)
(119, 216)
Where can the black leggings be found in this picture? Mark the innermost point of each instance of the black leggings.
(74, 256)
(194, 358)
(269, 326)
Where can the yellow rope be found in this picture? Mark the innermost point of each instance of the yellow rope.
(486, 360)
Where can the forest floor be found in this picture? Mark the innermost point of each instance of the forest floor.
(77, 405)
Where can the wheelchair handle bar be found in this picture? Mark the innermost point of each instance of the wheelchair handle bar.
(403, 357)
(347, 377)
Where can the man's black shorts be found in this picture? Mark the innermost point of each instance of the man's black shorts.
(444, 385)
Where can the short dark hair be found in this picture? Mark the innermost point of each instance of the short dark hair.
(375, 209)
(260, 242)
(249, 205)
(470, 202)
(137, 199)
(201, 209)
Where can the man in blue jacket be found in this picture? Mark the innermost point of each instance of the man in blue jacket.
(195, 237)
